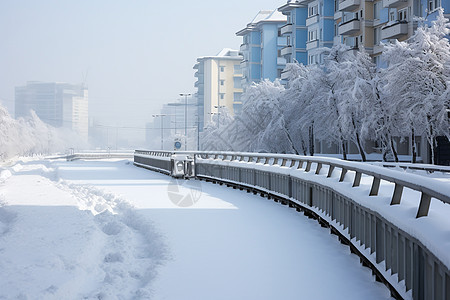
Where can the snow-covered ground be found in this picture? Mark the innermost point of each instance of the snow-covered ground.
(109, 230)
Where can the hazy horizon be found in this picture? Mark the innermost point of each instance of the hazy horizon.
(134, 56)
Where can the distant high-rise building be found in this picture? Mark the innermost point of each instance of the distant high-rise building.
(218, 84)
(263, 48)
(57, 104)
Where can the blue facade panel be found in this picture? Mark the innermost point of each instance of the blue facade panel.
(255, 38)
(301, 36)
(269, 51)
(328, 30)
(255, 54)
(302, 58)
(301, 14)
(328, 8)
(255, 72)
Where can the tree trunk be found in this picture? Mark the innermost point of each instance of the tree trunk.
(344, 151)
(358, 141)
(413, 146)
(394, 152)
(305, 152)
(311, 140)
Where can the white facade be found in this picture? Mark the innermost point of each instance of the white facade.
(218, 84)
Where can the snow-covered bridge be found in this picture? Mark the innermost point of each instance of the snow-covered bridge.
(105, 229)
(395, 221)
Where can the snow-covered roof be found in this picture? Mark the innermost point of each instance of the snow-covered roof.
(225, 53)
(262, 17)
(262, 14)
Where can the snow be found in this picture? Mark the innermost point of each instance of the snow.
(109, 230)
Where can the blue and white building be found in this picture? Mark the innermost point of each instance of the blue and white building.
(262, 43)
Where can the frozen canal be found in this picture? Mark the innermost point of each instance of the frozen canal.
(136, 241)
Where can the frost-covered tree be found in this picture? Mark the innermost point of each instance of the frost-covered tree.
(334, 103)
(30, 136)
(418, 80)
(376, 116)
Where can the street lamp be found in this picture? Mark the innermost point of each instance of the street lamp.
(185, 118)
(162, 128)
(218, 113)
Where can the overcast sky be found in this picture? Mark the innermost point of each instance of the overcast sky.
(137, 54)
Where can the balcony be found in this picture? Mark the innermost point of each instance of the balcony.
(348, 5)
(286, 29)
(285, 74)
(338, 15)
(349, 27)
(286, 51)
(312, 20)
(312, 44)
(394, 3)
(281, 61)
(394, 31)
(244, 47)
(337, 40)
(282, 41)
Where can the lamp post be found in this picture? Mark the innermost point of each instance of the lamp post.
(218, 113)
(185, 118)
(162, 128)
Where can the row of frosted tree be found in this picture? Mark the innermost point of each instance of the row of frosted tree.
(348, 99)
(30, 136)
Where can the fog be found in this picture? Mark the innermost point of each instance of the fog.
(133, 55)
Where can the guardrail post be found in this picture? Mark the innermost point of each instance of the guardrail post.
(300, 164)
(375, 186)
(319, 166)
(266, 161)
(397, 196)
(308, 166)
(424, 206)
(357, 180)
(343, 172)
(283, 163)
(330, 171)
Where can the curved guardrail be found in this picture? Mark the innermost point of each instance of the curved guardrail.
(411, 267)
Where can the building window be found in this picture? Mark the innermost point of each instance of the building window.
(433, 4)
(402, 15)
(237, 83)
(222, 69)
(288, 40)
(237, 69)
(391, 16)
(222, 82)
(377, 10)
(312, 11)
(376, 36)
(222, 96)
(336, 5)
(335, 29)
(312, 35)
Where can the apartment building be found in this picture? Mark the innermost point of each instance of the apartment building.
(219, 84)
(262, 43)
(57, 104)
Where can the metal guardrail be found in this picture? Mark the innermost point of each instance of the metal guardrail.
(101, 155)
(388, 248)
